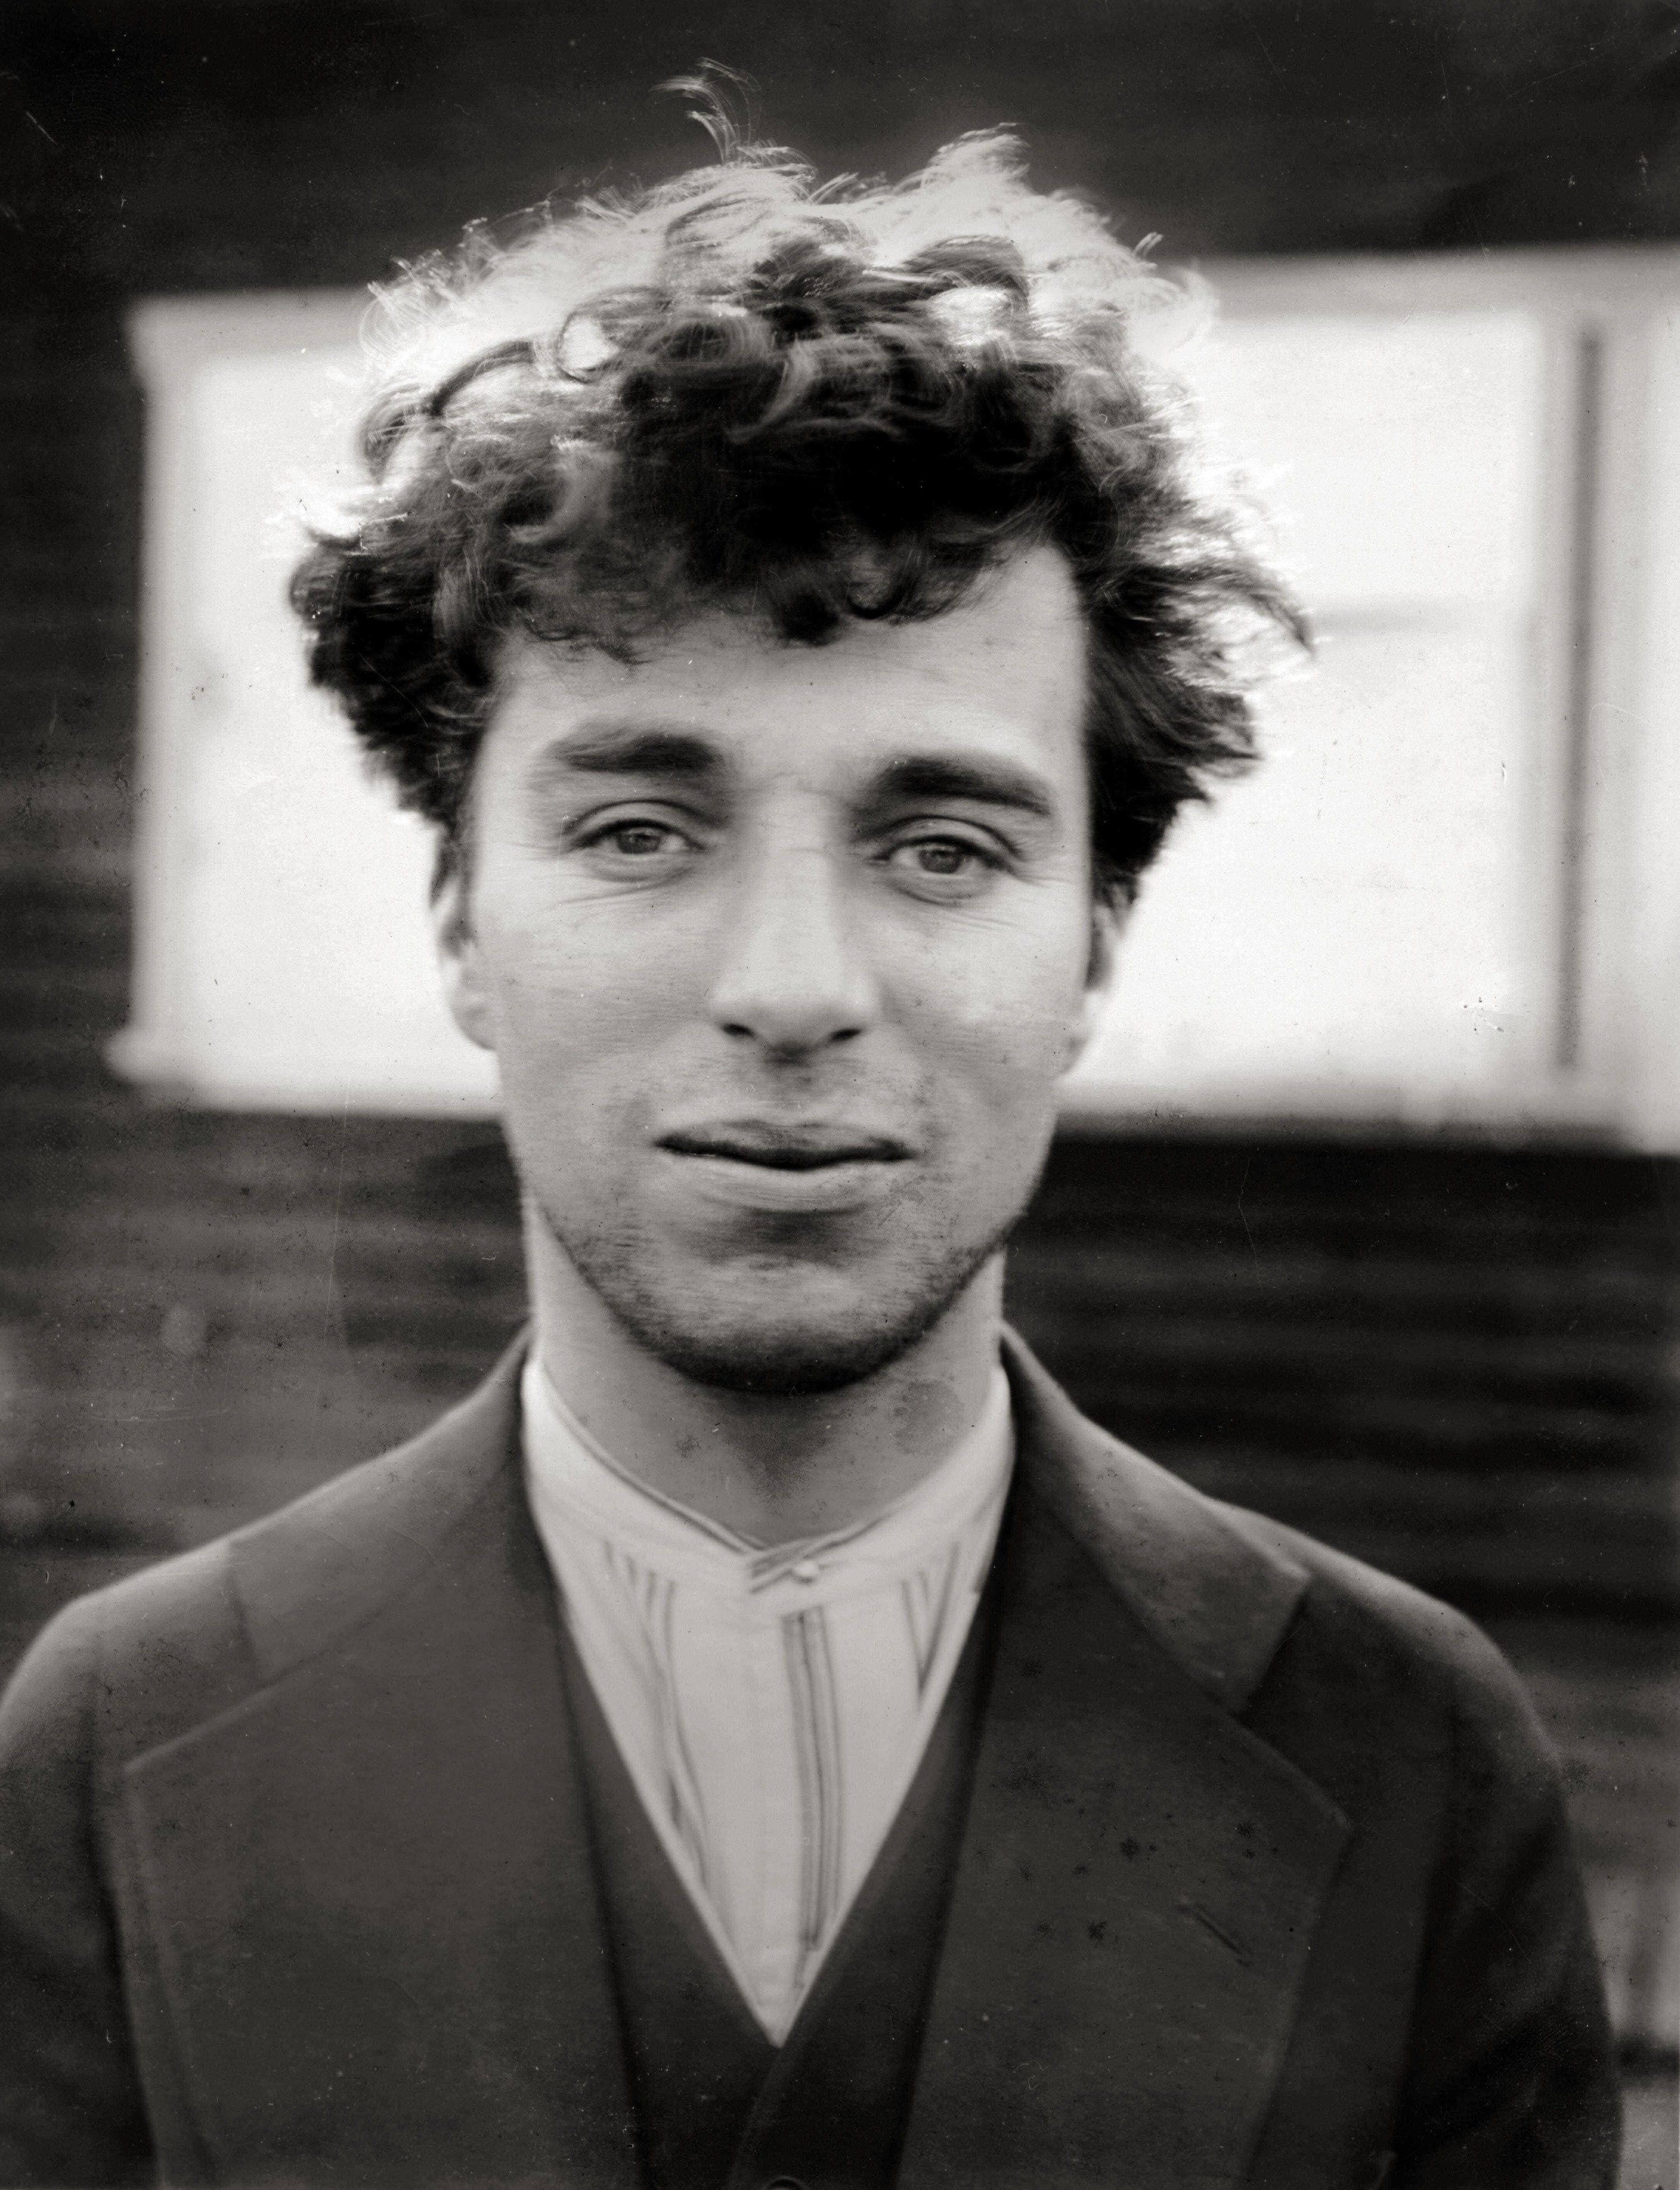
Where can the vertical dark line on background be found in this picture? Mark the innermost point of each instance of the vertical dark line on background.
(1585, 487)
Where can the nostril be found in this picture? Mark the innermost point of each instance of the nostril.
(788, 1041)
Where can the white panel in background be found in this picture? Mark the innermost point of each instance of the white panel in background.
(1348, 930)
(1291, 950)
(1400, 454)
(285, 890)
(308, 892)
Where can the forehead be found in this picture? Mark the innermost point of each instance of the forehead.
(1004, 669)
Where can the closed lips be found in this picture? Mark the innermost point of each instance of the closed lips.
(786, 1151)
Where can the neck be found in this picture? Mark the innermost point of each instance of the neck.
(773, 1466)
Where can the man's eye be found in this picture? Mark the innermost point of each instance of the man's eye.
(637, 840)
(943, 858)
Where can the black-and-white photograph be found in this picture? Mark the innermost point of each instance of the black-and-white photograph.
(840, 1253)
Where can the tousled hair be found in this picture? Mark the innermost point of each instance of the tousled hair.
(809, 404)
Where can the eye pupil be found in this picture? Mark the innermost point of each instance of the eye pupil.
(943, 858)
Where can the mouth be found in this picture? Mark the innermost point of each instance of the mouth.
(794, 1170)
(783, 1148)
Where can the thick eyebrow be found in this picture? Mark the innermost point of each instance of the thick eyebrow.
(640, 748)
(613, 748)
(980, 778)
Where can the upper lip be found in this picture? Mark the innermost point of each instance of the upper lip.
(785, 1147)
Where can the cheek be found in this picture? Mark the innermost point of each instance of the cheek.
(1007, 1002)
(573, 984)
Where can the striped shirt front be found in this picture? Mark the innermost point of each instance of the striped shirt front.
(771, 1706)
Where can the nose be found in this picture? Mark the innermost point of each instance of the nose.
(791, 978)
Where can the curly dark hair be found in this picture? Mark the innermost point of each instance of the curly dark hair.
(808, 404)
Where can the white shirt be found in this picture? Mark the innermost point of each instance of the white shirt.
(771, 1706)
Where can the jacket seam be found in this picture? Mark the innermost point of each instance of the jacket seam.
(117, 1782)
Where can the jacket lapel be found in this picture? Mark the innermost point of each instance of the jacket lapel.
(1140, 1877)
(368, 1889)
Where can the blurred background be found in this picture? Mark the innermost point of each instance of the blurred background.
(1366, 1210)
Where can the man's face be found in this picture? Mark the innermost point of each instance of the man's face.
(782, 950)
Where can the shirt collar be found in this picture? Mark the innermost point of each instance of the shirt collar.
(574, 1480)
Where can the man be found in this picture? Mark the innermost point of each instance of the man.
(765, 1735)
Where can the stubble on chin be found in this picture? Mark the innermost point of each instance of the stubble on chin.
(732, 1331)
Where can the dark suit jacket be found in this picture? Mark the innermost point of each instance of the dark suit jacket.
(1264, 1878)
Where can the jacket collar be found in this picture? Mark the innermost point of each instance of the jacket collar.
(1141, 1876)
(309, 1575)
(1200, 1576)
(1201, 1579)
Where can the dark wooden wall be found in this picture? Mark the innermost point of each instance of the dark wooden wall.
(1459, 1361)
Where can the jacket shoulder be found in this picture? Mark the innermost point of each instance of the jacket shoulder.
(310, 1574)
(1396, 1656)
(132, 1664)
(1246, 1604)
(1343, 1588)
(165, 1649)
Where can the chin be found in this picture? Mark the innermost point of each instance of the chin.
(783, 1328)
(786, 1362)
(769, 1340)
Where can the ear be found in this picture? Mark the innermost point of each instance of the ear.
(1108, 923)
(464, 988)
